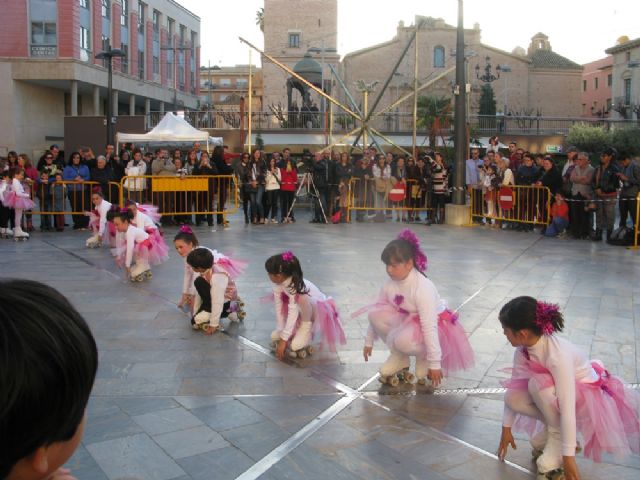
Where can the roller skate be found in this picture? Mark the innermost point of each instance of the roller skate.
(236, 311)
(302, 353)
(396, 370)
(4, 233)
(200, 320)
(140, 273)
(549, 462)
(422, 370)
(20, 235)
(94, 242)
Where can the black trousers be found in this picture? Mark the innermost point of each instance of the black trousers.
(579, 225)
(204, 290)
(627, 207)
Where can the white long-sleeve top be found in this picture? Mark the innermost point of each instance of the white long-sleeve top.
(17, 187)
(282, 293)
(102, 210)
(3, 188)
(190, 276)
(507, 177)
(143, 221)
(567, 364)
(421, 297)
(133, 235)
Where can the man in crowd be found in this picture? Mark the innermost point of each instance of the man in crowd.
(630, 178)
(605, 185)
(474, 178)
(321, 180)
(581, 193)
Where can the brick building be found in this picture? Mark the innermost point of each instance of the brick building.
(293, 28)
(48, 68)
(538, 81)
(597, 79)
(227, 85)
(625, 85)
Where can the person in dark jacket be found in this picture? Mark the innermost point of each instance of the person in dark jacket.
(605, 185)
(362, 172)
(320, 177)
(102, 174)
(222, 168)
(526, 175)
(242, 173)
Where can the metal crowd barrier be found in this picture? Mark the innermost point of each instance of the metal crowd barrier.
(69, 197)
(527, 204)
(183, 195)
(637, 222)
(371, 196)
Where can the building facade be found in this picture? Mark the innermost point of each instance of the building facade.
(626, 78)
(293, 28)
(225, 86)
(48, 68)
(597, 80)
(535, 82)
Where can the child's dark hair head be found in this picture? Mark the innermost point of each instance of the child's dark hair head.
(123, 214)
(404, 248)
(186, 235)
(48, 363)
(526, 313)
(287, 264)
(200, 258)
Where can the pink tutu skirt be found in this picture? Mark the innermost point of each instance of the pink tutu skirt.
(157, 251)
(326, 324)
(94, 221)
(457, 353)
(11, 200)
(151, 211)
(606, 410)
(232, 267)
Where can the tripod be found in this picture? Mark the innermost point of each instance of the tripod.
(307, 179)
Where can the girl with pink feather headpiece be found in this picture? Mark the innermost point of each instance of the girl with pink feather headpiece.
(413, 320)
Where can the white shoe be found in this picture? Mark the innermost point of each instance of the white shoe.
(397, 361)
(8, 232)
(233, 316)
(551, 458)
(202, 317)
(19, 233)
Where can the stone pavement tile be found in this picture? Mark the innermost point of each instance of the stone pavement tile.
(136, 457)
(290, 413)
(191, 403)
(223, 464)
(486, 467)
(142, 405)
(235, 370)
(189, 442)
(258, 439)
(141, 386)
(481, 432)
(153, 370)
(109, 426)
(304, 462)
(83, 466)
(227, 415)
(203, 386)
(483, 407)
(334, 436)
(164, 421)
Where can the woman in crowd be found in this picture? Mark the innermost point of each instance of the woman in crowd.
(77, 173)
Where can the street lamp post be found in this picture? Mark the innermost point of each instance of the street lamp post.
(505, 69)
(488, 76)
(108, 55)
(460, 114)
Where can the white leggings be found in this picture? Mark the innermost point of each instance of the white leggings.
(302, 337)
(535, 403)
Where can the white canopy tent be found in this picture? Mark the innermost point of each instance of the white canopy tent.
(171, 129)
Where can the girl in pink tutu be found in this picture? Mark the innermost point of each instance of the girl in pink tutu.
(98, 223)
(302, 310)
(212, 276)
(555, 391)
(413, 320)
(139, 246)
(147, 217)
(15, 197)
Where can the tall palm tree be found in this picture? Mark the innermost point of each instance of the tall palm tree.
(260, 19)
(433, 113)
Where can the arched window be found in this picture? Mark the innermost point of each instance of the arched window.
(438, 57)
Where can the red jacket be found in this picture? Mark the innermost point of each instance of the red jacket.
(288, 179)
(558, 210)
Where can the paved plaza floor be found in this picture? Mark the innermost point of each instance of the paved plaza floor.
(171, 403)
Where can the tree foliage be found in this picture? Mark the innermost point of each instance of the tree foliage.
(260, 19)
(433, 114)
(487, 100)
(594, 139)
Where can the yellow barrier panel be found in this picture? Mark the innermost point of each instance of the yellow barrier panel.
(183, 196)
(531, 205)
(69, 197)
(375, 195)
(637, 224)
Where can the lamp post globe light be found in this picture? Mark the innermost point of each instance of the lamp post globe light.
(108, 55)
(488, 76)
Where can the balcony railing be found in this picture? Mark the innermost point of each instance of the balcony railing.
(398, 122)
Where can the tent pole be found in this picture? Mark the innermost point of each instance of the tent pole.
(250, 104)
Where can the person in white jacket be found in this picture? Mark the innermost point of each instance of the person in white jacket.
(98, 223)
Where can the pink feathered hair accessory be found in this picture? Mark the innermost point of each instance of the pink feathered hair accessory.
(545, 313)
(420, 259)
(185, 229)
(287, 256)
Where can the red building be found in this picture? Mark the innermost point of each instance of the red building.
(597, 79)
(48, 68)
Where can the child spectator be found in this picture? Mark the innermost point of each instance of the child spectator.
(559, 217)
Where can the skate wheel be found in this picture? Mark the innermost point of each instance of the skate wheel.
(409, 377)
(302, 353)
(382, 379)
(557, 474)
(292, 354)
(310, 349)
(148, 274)
(422, 381)
(394, 381)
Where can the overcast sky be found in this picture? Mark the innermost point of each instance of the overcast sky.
(578, 29)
